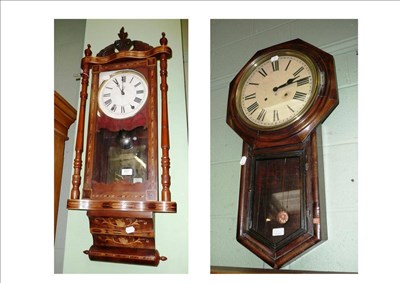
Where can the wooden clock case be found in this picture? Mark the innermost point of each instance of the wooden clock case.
(121, 214)
(299, 143)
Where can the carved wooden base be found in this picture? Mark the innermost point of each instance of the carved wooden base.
(124, 237)
(122, 255)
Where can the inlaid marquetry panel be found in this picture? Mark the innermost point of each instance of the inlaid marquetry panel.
(123, 241)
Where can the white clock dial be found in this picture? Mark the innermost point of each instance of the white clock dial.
(276, 90)
(123, 94)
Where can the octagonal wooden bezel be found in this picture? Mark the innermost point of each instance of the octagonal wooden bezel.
(324, 103)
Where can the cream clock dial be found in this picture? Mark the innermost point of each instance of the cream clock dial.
(122, 94)
(276, 90)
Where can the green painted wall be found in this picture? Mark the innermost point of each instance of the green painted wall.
(68, 41)
(233, 43)
(171, 229)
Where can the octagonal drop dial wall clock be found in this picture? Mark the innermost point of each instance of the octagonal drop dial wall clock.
(120, 185)
(276, 104)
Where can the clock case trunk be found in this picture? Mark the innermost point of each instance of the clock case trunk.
(300, 138)
(121, 214)
(102, 130)
(111, 241)
(310, 227)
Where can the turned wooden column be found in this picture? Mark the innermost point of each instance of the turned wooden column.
(165, 161)
(76, 177)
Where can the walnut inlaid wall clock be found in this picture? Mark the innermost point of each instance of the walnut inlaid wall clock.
(276, 104)
(120, 183)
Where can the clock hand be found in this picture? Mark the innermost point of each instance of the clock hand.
(289, 82)
(123, 88)
(117, 83)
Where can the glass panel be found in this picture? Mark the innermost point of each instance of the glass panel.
(121, 156)
(277, 198)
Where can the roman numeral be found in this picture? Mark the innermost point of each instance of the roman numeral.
(108, 102)
(250, 96)
(122, 109)
(253, 83)
(290, 108)
(137, 99)
(263, 72)
(116, 82)
(275, 65)
(276, 115)
(287, 66)
(300, 96)
(131, 80)
(123, 79)
(107, 95)
(298, 71)
(261, 116)
(303, 81)
(107, 87)
(138, 84)
(252, 108)
(113, 108)
(139, 91)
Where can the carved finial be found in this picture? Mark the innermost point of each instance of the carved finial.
(88, 52)
(163, 40)
(122, 34)
(124, 44)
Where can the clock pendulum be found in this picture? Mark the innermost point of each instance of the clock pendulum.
(283, 215)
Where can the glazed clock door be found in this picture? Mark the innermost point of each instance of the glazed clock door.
(122, 95)
(278, 199)
(280, 212)
(124, 134)
(121, 157)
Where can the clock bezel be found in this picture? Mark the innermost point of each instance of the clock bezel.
(326, 99)
(253, 67)
(105, 82)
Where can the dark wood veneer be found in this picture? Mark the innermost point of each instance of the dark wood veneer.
(121, 211)
(262, 174)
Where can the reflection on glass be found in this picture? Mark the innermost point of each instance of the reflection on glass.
(277, 198)
(123, 156)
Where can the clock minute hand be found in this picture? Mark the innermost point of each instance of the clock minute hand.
(289, 82)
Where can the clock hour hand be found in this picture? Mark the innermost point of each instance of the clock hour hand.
(117, 83)
(289, 82)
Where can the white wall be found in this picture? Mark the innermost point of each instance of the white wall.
(233, 43)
